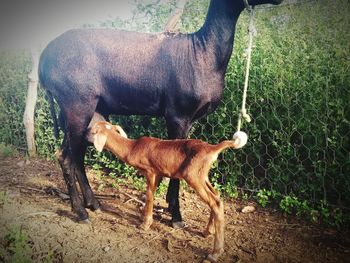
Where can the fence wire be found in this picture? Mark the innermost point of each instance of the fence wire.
(298, 97)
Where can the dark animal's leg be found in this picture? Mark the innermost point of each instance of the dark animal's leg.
(177, 129)
(78, 145)
(172, 197)
(65, 162)
(75, 127)
(90, 200)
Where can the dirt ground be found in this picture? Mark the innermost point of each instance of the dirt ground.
(264, 235)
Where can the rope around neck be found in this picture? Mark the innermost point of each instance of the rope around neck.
(251, 31)
(247, 6)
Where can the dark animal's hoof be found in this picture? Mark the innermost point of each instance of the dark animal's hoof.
(98, 211)
(84, 222)
(178, 225)
(93, 206)
(83, 216)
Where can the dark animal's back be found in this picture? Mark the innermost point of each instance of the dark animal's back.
(126, 70)
(99, 48)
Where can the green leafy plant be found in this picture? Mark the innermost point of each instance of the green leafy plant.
(17, 248)
(289, 204)
(139, 183)
(161, 190)
(4, 198)
(298, 98)
(265, 197)
(7, 150)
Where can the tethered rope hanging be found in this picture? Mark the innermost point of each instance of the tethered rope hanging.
(243, 115)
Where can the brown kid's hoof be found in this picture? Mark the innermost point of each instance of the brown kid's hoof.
(211, 258)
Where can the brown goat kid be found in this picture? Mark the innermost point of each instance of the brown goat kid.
(181, 159)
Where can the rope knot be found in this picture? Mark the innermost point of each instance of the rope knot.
(251, 31)
(245, 115)
(247, 5)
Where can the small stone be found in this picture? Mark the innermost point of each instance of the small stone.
(106, 248)
(20, 164)
(248, 209)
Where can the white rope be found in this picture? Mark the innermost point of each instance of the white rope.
(251, 31)
(247, 6)
(239, 136)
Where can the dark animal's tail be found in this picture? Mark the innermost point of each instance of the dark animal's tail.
(53, 114)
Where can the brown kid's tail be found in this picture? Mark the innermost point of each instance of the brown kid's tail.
(227, 144)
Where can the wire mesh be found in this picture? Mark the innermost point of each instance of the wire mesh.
(298, 97)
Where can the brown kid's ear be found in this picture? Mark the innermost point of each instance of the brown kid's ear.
(99, 141)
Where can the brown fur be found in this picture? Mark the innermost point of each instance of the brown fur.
(182, 159)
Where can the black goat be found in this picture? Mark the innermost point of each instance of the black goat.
(98, 72)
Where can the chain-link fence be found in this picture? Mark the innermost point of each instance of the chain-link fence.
(298, 97)
(299, 100)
